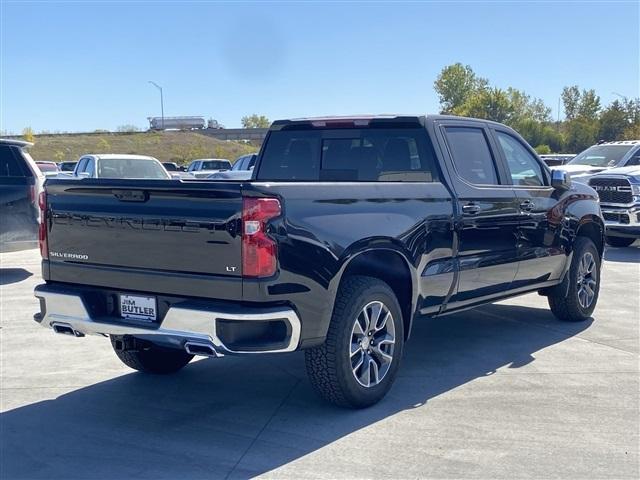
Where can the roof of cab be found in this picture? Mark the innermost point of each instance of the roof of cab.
(365, 120)
(15, 143)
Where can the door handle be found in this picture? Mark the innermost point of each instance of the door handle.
(471, 208)
(527, 205)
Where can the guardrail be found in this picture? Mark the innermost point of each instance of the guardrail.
(220, 134)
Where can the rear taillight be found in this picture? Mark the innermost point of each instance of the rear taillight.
(259, 251)
(42, 226)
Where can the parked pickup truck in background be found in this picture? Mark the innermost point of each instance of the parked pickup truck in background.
(350, 230)
(601, 157)
(619, 191)
(20, 185)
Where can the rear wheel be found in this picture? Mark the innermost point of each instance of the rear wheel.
(575, 298)
(620, 241)
(147, 357)
(358, 362)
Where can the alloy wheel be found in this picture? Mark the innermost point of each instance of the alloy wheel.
(587, 280)
(373, 339)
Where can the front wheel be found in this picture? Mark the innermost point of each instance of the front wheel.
(620, 241)
(149, 358)
(358, 362)
(575, 298)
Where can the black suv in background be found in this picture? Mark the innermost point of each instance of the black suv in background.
(20, 185)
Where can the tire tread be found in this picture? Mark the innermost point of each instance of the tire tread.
(565, 306)
(322, 362)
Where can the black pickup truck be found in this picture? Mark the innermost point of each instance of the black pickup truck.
(349, 230)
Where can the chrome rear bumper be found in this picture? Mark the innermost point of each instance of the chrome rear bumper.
(181, 327)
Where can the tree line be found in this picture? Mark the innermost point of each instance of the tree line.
(587, 121)
(462, 92)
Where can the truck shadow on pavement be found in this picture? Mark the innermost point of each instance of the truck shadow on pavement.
(626, 254)
(13, 275)
(240, 417)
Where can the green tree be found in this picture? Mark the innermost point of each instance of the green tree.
(585, 104)
(28, 135)
(489, 103)
(632, 110)
(524, 107)
(589, 105)
(571, 101)
(540, 133)
(255, 121)
(581, 133)
(613, 122)
(632, 132)
(455, 84)
(543, 149)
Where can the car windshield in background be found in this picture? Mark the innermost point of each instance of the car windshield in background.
(131, 168)
(215, 165)
(601, 155)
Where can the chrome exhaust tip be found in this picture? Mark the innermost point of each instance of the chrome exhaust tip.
(65, 329)
(200, 348)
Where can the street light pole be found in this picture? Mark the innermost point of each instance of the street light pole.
(161, 100)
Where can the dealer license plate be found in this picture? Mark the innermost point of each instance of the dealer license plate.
(138, 308)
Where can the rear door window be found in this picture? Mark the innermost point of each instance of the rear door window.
(471, 155)
(353, 155)
(9, 164)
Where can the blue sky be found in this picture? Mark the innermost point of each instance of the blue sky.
(79, 66)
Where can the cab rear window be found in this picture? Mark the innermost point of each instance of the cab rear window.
(351, 155)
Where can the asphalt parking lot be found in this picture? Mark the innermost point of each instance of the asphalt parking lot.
(503, 391)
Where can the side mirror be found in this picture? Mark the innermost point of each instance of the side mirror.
(84, 175)
(560, 180)
(175, 176)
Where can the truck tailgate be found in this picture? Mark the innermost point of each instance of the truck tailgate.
(163, 229)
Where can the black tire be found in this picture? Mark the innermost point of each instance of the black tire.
(564, 299)
(150, 358)
(620, 241)
(330, 367)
